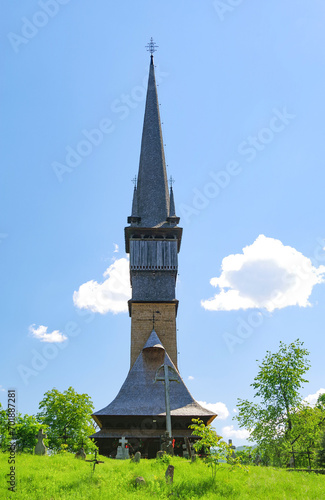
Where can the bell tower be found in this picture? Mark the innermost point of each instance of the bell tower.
(153, 238)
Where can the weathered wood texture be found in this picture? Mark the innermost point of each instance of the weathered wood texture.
(153, 255)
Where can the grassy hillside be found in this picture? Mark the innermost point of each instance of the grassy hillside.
(62, 477)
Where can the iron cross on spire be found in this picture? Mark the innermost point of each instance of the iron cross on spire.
(134, 180)
(171, 181)
(151, 47)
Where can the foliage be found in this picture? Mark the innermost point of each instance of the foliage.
(249, 456)
(164, 458)
(4, 432)
(26, 429)
(281, 422)
(321, 402)
(61, 476)
(214, 449)
(320, 457)
(67, 412)
(271, 422)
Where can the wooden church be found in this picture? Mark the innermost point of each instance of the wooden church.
(153, 240)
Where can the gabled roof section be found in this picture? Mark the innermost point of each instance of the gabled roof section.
(140, 395)
(152, 189)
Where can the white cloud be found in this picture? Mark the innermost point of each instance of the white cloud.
(235, 410)
(229, 432)
(266, 275)
(2, 389)
(219, 408)
(116, 248)
(41, 334)
(190, 377)
(109, 296)
(312, 398)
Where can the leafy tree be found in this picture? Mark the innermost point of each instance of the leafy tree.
(67, 413)
(245, 455)
(321, 401)
(214, 448)
(271, 421)
(26, 429)
(320, 457)
(4, 432)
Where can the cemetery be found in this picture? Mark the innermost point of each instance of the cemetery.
(154, 438)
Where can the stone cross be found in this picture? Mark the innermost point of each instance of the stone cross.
(122, 451)
(40, 448)
(123, 441)
(168, 374)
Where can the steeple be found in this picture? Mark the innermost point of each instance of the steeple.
(172, 219)
(153, 240)
(134, 218)
(171, 203)
(152, 189)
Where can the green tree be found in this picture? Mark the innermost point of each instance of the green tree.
(277, 385)
(67, 413)
(211, 444)
(320, 456)
(4, 432)
(26, 429)
(321, 401)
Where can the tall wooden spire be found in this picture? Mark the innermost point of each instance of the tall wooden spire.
(152, 187)
(153, 240)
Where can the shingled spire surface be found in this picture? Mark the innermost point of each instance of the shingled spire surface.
(152, 189)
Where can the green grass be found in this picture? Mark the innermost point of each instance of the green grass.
(62, 477)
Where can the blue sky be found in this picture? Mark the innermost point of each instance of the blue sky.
(241, 87)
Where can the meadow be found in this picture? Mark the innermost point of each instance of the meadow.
(62, 477)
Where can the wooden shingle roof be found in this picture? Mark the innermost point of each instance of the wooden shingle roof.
(139, 395)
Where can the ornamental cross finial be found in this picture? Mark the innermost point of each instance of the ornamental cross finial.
(171, 181)
(134, 180)
(151, 47)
